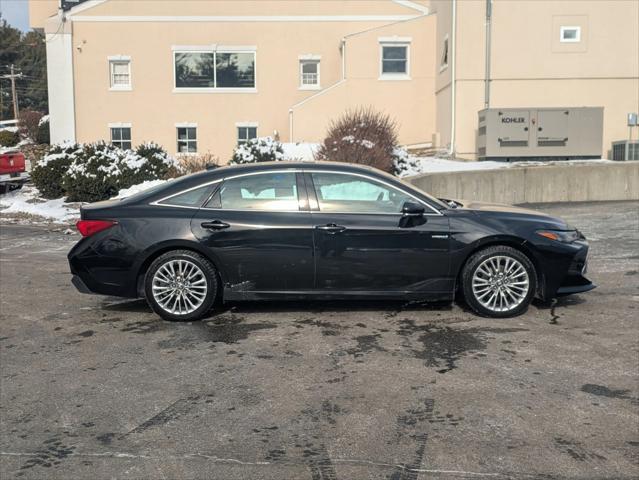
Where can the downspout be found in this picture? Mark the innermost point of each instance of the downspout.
(453, 99)
(489, 15)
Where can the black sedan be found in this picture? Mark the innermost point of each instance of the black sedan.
(324, 231)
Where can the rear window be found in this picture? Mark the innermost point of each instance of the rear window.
(190, 198)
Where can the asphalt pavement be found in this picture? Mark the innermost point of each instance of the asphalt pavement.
(100, 388)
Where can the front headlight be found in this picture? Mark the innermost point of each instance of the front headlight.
(563, 236)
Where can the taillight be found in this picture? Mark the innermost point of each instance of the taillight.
(91, 227)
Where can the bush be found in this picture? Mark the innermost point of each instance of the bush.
(29, 123)
(197, 163)
(361, 136)
(9, 138)
(404, 164)
(43, 135)
(258, 150)
(159, 164)
(98, 171)
(47, 174)
(103, 169)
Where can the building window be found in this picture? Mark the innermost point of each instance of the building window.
(395, 60)
(187, 139)
(309, 74)
(120, 74)
(121, 137)
(244, 134)
(444, 62)
(570, 34)
(214, 70)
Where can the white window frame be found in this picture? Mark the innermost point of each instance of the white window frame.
(215, 49)
(120, 125)
(565, 28)
(394, 42)
(445, 50)
(310, 59)
(177, 139)
(113, 59)
(239, 125)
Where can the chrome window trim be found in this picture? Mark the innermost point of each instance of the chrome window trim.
(158, 203)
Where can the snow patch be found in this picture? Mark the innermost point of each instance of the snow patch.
(413, 165)
(140, 187)
(27, 201)
(300, 151)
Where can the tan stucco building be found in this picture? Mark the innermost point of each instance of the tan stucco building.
(202, 76)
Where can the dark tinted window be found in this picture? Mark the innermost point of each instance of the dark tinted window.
(345, 193)
(267, 191)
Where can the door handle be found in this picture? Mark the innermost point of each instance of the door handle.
(215, 225)
(331, 228)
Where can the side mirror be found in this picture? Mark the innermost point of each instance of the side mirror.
(412, 209)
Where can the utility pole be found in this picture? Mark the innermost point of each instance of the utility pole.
(14, 94)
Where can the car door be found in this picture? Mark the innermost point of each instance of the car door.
(363, 243)
(258, 228)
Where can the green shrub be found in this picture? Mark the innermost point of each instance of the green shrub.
(47, 173)
(101, 170)
(258, 150)
(98, 171)
(9, 138)
(361, 136)
(43, 135)
(159, 163)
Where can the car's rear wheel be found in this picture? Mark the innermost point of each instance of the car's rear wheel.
(181, 285)
(499, 281)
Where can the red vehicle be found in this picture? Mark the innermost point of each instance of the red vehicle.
(12, 171)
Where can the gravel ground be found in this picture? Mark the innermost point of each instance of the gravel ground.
(95, 387)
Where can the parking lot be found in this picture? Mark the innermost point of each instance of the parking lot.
(95, 387)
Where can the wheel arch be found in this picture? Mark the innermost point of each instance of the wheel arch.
(162, 248)
(519, 244)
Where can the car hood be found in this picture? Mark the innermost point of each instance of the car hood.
(500, 210)
(498, 207)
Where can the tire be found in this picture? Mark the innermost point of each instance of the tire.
(181, 285)
(499, 282)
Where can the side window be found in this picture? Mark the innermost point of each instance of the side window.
(192, 198)
(274, 192)
(343, 193)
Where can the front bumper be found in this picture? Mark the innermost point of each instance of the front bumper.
(564, 266)
(80, 285)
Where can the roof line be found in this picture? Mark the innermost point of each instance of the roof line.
(84, 6)
(414, 5)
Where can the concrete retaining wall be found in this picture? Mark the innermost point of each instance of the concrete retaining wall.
(581, 182)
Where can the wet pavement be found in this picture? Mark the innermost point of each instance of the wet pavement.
(96, 387)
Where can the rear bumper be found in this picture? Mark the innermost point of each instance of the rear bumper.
(97, 274)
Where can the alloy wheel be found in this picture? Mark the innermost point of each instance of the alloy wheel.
(179, 287)
(500, 283)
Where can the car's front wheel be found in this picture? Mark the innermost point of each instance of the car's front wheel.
(499, 281)
(181, 285)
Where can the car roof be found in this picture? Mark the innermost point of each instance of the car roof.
(315, 165)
